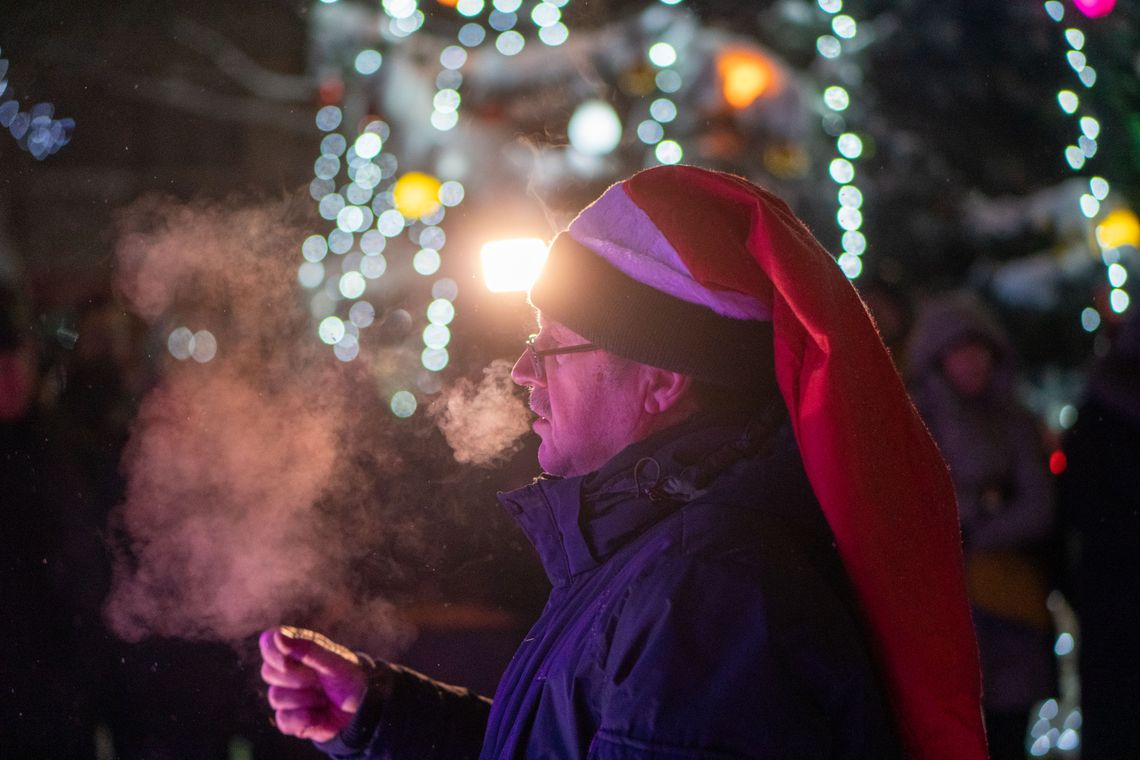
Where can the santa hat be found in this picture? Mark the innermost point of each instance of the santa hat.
(705, 273)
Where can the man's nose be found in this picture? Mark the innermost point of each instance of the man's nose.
(523, 371)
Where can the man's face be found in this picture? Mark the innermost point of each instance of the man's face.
(589, 404)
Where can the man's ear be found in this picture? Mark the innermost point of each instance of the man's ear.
(665, 390)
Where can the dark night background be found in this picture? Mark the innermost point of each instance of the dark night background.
(958, 105)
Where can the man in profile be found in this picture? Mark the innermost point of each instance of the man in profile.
(751, 539)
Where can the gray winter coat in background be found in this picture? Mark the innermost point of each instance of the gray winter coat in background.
(1005, 495)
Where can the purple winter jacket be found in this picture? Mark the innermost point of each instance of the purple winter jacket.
(698, 610)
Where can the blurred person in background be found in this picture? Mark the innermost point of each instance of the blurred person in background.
(50, 552)
(1100, 510)
(962, 372)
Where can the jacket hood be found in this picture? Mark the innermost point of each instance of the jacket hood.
(948, 320)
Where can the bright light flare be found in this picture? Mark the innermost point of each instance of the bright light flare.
(745, 76)
(416, 194)
(512, 265)
(1121, 227)
(595, 128)
(1095, 8)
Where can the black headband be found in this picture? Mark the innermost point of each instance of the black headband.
(593, 298)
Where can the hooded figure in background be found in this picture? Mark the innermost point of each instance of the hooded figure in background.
(1100, 508)
(962, 372)
(751, 538)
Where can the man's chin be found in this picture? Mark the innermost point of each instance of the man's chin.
(548, 459)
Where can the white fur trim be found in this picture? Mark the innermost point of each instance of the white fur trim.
(618, 230)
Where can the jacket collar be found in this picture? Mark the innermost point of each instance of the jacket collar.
(578, 522)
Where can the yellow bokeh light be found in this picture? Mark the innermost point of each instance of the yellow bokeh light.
(745, 75)
(512, 265)
(416, 194)
(1121, 227)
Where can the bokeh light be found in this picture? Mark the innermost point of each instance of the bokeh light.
(362, 314)
(367, 145)
(836, 98)
(471, 35)
(441, 311)
(1090, 319)
(368, 62)
(554, 35)
(850, 145)
(426, 261)
(436, 336)
(347, 348)
(844, 26)
(1095, 8)
(650, 132)
(668, 152)
(391, 222)
(510, 43)
(403, 404)
(373, 266)
(416, 194)
(205, 346)
(850, 196)
(662, 54)
(841, 170)
(828, 46)
(352, 285)
(854, 242)
(434, 359)
(851, 265)
(329, 118)
(314, 248)
(1090, 206)
(594, 128)
(180, 343)
(513, 264)
(668, 81)
(311, 274)
(331, 330)
(745, 75)
(1120, 227)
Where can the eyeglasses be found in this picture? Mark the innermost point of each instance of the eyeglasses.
(537, 356)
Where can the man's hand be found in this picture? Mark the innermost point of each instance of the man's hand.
(315, 685)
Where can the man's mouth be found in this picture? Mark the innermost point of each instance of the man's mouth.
(538, 406)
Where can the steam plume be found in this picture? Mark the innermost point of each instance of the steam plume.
(483, 423)
(251, 483)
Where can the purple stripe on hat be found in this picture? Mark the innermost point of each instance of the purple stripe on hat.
(618, 230)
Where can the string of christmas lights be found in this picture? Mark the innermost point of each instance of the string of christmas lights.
(1110, 233)
(36, 130)
(832, 47)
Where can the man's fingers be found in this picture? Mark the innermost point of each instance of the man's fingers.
(304, 723)
(284, 698)
(318, 652)
(295, 675)
(269, 650)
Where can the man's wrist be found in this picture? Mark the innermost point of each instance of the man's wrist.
(379, 685)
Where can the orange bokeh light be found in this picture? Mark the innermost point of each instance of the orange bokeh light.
(448, 3)
(746, 75)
